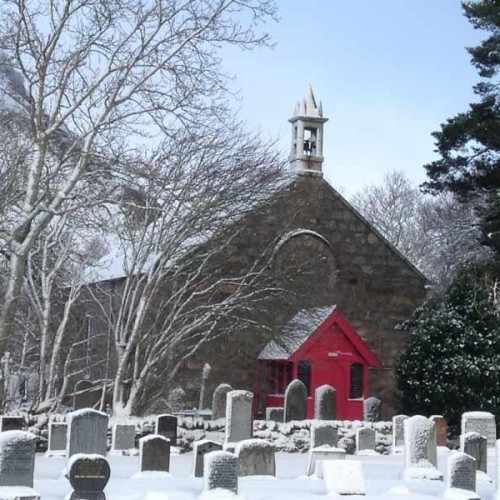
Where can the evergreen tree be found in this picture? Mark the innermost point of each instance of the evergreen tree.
(452, 360)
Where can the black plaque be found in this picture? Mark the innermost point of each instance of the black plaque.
(12, 423)
(166, 425)
(89, 476)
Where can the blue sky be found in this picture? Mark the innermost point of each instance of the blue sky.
(387, 71)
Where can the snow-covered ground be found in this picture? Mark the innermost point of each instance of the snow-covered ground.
(382, 479)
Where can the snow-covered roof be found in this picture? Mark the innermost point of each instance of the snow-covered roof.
(296, 332)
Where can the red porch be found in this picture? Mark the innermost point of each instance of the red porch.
(318, 347)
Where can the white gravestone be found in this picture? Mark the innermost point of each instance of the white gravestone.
(460, 477)
(123, 439)
(344, 478)
(239, 420)
(365, 441)
(317, 456)
(57, 439)
(481, 422)
(420, 449)
(398, 435)
(496, 495)
(220, 471)
(255, 458)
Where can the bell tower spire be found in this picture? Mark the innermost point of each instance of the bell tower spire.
(307, 122)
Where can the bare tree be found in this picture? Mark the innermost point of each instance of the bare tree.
(92, 80)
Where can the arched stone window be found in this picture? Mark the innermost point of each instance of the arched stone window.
(356, 381)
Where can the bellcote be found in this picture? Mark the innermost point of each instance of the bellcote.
(307, 122)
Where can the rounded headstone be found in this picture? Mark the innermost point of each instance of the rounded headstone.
(295, 401)
(219, 401)
(325, 403)
(88, 475)
(371, 409)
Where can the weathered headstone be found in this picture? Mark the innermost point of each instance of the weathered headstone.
(295, 401)
(496, 495)
(11, 423)
(344, 477)
(365, 440)
(57, 439)
(219, 398)
(87, 432)
(154, 453)
(255, 458)
(317, 456)
(275, 414)
(83, 397)
(123, 437)
(239, 420)
(176, 399)
(398, 435)
(323, 434)
(441, 429)
(17, 458)
(200, 449)
(481, 422)
(88, 476)
(420, 449)
(475, 445)
(221, 471)
(325, 403)
(461, 476)
(371, 409)
(166, 425)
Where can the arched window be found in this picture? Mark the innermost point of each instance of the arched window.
(356, 387)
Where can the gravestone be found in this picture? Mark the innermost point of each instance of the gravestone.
(323, 434)
(295, 401)
(496, 495)
(239, 420)
(274, 414)
(398, 435)
(11, 423)
(88, 476)
(475, 445)
(154, 453)
(255, 458)
(87, 432)
(57, 439)
(344, 477)
(365, 440)
(219, 398)
(200, 449)
(481, 422)
(85, 399)
(123, 437)
(441, 429)
(460, 475)
(166, 425)
(420, 449)
(220, 470)
(325, 403)
(317, 456)
(371, 409)
(17, 458)
(176, 400)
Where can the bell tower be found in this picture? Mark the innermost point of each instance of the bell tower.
(307, 122)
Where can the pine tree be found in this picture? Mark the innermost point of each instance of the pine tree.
(452, 360)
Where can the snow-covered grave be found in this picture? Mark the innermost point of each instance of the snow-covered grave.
(481, 422)
(382, 476)
(475, 445)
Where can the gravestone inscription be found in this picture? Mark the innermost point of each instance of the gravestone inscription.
(88, 476)
(461, 471)
(221, 471)
(17, 458)
(481, 422)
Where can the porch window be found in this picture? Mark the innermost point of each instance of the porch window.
(279, 375)
(304, 375)
(356, 387)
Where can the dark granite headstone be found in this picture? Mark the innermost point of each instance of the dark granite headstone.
(87, 432)
(83, 397)
(475, 445)
(325, 403)
(201, 448)
(88, 476)
(17, 458)
(166, 425)
(154, 453)
(295, 401)
(123, 437)
(219, 398)
(11, 423)
(324, 434)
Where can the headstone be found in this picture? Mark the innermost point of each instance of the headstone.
(476, 446)
(239, 421)
(220, 470)
(11, 423)
(255, 458)
(496, 495)
(295, 401)
(176, 400)
(323, 434)
(123, 437)
(365, 440)
(420, 449)
(154, 453)
(325, 403)
(371, 409)
(200, 449)
(441, 429)
(317, 456)
(83, 397)
(166, 425)
(57, 439)
(17, 458)
(219, 398)
(275, 414)
(87, 432)
(460, 476)
(481, 422)
(344, 477)
(398, 435)
(88, 476)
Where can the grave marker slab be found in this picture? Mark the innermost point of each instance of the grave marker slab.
(475, 445)
(325, 403)
(324, 434)
(481, 422)
(398, 435)
(200, 449)
(441, 429)
(85, 399)
(295, 401)
(220, 471)
(11, 423)
(87, 432)
(365, 440)
(88, 476)
(57, 439)
(219, 399)
(239, 419)
(274, 414)
(460, 475)
(166, 425)
(17, 458)
(123, 437)
(317, 456)
(344, 477)
(154, 453)
(371, 409)
(255, 458)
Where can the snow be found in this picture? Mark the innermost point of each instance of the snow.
(16, 492)
(86, 411)
(344, 477)
(7, 437)
(477, 414)
(86, 456)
